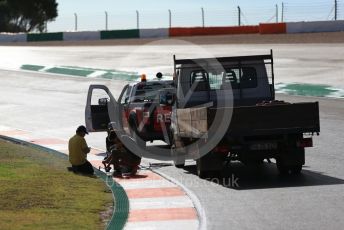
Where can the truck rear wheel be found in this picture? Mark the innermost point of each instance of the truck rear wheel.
(200, 169)
(290, 161)
(288, 169)
(282, 168)
(296, 169)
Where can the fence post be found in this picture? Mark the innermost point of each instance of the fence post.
(202, 16)
(75, 22)
(106, 20)
(239, 16)
(137, 19)
(170, 18)
(276, 13)
(282, 16)
(335, 9)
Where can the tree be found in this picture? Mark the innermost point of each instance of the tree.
(26, 15)
(3, 15)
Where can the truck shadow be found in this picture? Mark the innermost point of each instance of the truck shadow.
(241, 177)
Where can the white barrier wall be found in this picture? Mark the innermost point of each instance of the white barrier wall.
(154, 33)
(81, 36)
(13, 38)
(292, 27)
(315, 27)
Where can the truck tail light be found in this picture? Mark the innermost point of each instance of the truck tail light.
(221, 149)
(305, 142)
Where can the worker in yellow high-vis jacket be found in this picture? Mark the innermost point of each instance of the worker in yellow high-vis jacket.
(78, 151)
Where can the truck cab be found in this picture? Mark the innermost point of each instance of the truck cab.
(143, 112)
(247, 80)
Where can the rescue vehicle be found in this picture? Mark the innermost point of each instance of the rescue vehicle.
(142, 114)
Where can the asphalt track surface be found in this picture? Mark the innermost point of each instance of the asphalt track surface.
(302, 63)
(54, 106)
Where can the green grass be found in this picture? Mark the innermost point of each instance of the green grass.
(37, 192)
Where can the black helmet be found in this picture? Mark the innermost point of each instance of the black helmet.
(81, 128)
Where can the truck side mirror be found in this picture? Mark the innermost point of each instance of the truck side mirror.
(169, 98)
(103, 101)
(166, 98)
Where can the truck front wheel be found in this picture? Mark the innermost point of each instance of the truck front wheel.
(200, 169)
(203, 170)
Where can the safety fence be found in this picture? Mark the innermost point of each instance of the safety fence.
(228, 15)
(263, 28)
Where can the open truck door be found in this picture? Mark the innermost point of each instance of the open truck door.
(101, 108)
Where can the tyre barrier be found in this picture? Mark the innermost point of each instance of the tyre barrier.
(197, 31)
(272, 28)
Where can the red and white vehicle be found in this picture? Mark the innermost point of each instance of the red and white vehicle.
(140, 109)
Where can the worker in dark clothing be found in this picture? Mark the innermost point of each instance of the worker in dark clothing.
(122, 159)
(78, 151)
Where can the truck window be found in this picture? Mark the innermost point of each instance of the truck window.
(224, 80)
(215, 80)
(221, 80)
(248, 78)
(99, 97)
(126, 94)
(150, 91)
(232, 78)
(199, 80)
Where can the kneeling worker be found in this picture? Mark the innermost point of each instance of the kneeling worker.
(78, 150)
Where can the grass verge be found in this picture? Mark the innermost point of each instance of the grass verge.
(37, 192)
